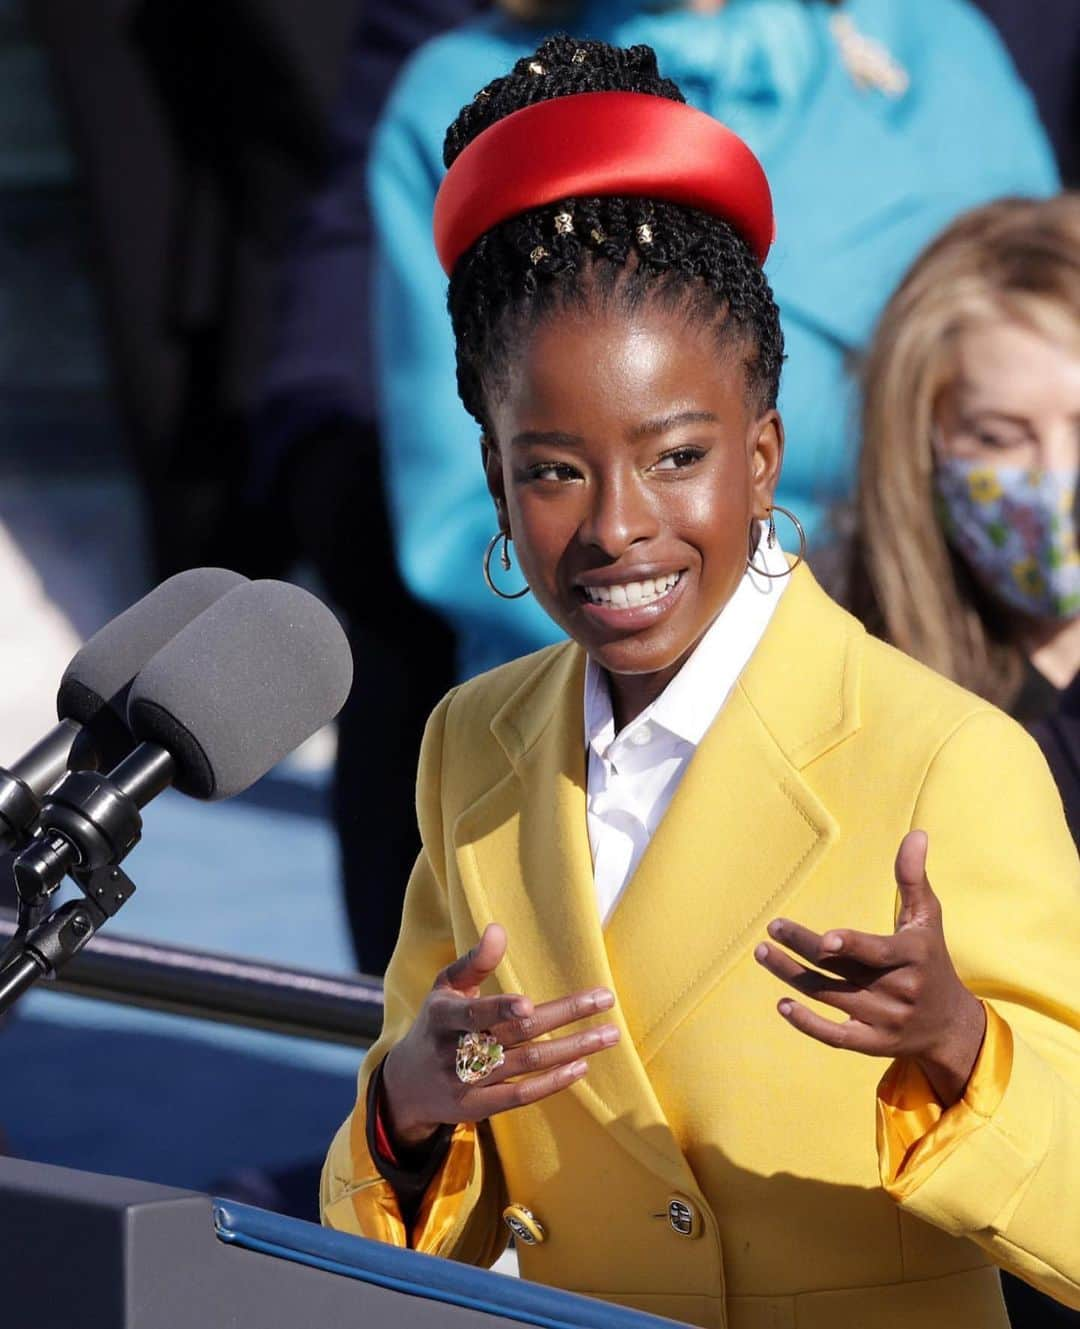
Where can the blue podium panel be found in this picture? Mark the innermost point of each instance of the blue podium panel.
(83, 1251)
(493, 1296)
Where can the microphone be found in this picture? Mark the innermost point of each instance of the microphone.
(93, 693)
(242, 686)
(233, 692)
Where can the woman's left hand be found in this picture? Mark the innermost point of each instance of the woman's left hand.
(901, 994)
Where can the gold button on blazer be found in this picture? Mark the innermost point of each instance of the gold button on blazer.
(817, 1196)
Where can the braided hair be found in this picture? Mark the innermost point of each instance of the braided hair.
(585, 250)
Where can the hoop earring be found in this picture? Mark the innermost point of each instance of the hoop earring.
(504, 559)
(770, 540)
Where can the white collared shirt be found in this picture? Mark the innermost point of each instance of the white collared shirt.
(633, 775)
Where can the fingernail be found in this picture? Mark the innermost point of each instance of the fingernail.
(578, 1069)
(775, 928)
(603, 999)
(784, 1008)
(520, 1006)
(761, 952)
(609, 1035)
(833, 943)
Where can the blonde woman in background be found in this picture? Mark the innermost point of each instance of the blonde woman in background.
(971, 446)
(966, 553)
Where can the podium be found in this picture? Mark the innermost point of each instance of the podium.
(84, 1251)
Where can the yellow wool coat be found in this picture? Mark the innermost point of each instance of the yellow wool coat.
(816, 1197)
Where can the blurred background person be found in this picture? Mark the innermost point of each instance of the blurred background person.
(877, 121)
(154, 178)
(1043, 37)
(966, 552)
(196, 127)
(966, 548)
(51, 387)
(317, 473)
(234, 250)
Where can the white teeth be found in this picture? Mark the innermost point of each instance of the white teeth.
(633, 593)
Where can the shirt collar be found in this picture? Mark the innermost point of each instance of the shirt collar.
(693, 699)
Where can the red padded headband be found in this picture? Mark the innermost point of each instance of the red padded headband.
(602, 143)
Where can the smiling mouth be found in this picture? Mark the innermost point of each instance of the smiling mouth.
(632, 594)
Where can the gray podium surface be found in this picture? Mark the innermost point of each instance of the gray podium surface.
(82, 1251)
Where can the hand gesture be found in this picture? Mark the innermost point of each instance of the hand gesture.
(419, 1078)
(901, 995)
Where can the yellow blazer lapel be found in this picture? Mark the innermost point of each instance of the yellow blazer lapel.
(744, 829)
(524, 861)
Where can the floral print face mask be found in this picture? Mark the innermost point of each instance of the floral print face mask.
(1015, 527)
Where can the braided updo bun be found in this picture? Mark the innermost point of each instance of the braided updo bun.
(607, 249)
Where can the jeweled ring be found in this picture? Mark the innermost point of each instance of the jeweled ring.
(477, 1056)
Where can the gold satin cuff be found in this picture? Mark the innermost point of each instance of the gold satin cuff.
(373, 1209)
(377, 1213)
(915, 1133)
(353, 1195)
(440, 1211)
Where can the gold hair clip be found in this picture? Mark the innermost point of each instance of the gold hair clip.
(579, 57)
(537, 254)
(597, 235)
(535, 67)
(644, 234)
(564, 223)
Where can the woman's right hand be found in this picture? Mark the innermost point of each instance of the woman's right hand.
(420, 1083)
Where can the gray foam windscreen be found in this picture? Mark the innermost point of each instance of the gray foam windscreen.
(242, 686)
(93, 690)
(115, 653)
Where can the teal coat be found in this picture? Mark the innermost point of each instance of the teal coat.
(861, 181)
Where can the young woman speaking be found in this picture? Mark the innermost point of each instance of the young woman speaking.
(675, 895)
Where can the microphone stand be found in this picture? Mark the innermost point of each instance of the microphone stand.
(89, 822)
(19, 810)
(50, 944)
